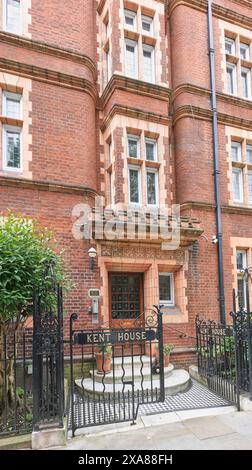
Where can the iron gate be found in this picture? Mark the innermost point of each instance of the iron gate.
(126, 370)
(217, 359)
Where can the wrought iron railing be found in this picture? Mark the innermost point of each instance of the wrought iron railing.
(16, 400)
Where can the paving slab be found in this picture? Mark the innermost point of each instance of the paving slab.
(232, 441)
(208, 427)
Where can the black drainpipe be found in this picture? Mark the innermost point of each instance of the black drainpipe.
(216, 164)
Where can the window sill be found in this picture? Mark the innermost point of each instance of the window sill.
(135, 161)
(11, 121)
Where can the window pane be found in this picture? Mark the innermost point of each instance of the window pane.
(240, 260)
(129, 18)
(150, 151)
(245, 83)
(230, 46)
(236, 151)
(244, 51)
(147, 24)
(237, 189)
(230, 80)
(241, 292)
(13, 16)
(249, 153)
(132, 147)
(148, 65)
(250, 187)
(134, 187)
(13, 149)
(165, 291)
(130, 65)
(151, 188)
(13, 108)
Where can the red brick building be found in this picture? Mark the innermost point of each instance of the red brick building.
(113, 98)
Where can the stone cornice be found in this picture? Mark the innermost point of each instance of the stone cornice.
(101, 5)
(219, 11)
(48, 76)
(206, 115)
(44, 48)
(205, 206)
(119, 82)
(197, 90)
(50, 186)
(134, 113)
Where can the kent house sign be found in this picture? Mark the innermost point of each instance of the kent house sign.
(113, 337)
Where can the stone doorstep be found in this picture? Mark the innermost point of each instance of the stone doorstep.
(177, 382)
(127, 374)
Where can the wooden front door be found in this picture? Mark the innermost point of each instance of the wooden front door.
(126, 299)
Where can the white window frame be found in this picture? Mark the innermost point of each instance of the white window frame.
(168, 303)
(238, 146)
(246, 48)
(19, 130)
(239, 272)
(16, 97)
(129, 42)
(248, 147)
(151, 49)
(234, 78)
(135, 168)
(137, 140)
(130, 14)
(233, 45)
(108, 65)
(155, 172)
(147, 140)
(240, 172)
(248, 77)
(249, 198)
(149, 20)
(19, 31)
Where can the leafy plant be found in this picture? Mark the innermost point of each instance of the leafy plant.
(29, 417)
(20, 392)
(167, 348)
(105, 348)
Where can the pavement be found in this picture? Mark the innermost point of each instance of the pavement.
(225, 430)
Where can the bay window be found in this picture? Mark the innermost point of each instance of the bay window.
(148, 64)
(134, 186)
(152, 187)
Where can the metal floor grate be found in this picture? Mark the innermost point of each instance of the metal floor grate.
(90, 413)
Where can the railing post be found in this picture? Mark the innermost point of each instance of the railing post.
(161, 353)
(237, 355)
(247, 276)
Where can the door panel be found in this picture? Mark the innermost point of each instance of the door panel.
(126, 299)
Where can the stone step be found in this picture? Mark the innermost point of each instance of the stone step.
(127, 362)
(119, 375)
(176, 382)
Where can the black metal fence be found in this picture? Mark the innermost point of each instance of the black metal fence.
(217, 358)
(126, 371)
(48, 364)
(225, 352)
(16, 404)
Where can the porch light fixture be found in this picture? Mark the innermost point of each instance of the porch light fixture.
(92, 253)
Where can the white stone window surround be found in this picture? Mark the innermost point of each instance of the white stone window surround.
(171, 302)
(244, 51)
(242, 37)
(17, 130)
(25, 19)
